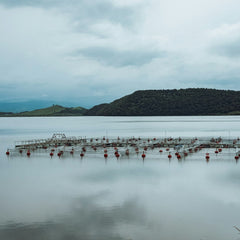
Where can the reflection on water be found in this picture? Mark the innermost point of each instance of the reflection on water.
(85, 221)
(70, 198)
(120, 200)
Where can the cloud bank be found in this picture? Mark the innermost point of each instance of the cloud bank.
(89, 52)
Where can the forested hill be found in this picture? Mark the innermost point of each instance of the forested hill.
(191, 101)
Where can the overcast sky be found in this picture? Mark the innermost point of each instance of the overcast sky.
(85, 51)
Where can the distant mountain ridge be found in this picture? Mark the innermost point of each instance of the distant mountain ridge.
(182, 102)
(54, 110)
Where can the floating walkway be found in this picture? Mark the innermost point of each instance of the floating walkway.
(63, 146)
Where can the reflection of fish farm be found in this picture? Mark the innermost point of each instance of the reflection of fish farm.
(180, 148)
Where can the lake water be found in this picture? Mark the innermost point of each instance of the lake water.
(70, 198)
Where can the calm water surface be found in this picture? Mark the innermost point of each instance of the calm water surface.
(69, 198)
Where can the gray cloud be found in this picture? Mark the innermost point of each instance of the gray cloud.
(84, 10)
(231, 50)
(117, 58)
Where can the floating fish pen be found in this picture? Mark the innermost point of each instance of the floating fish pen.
(62, 146)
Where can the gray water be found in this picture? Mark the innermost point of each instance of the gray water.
(70, 198)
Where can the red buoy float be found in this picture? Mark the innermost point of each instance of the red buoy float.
(51, 154)
(7, 152)
(81, 154)
(105, 155)
(28, 153)
(143, 155)
(169, 156)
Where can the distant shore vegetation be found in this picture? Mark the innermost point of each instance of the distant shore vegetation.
(182, 102)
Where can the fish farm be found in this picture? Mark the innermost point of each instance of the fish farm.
(61, 146)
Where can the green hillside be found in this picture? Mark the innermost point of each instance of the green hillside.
(54, 110)
(183, 102)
